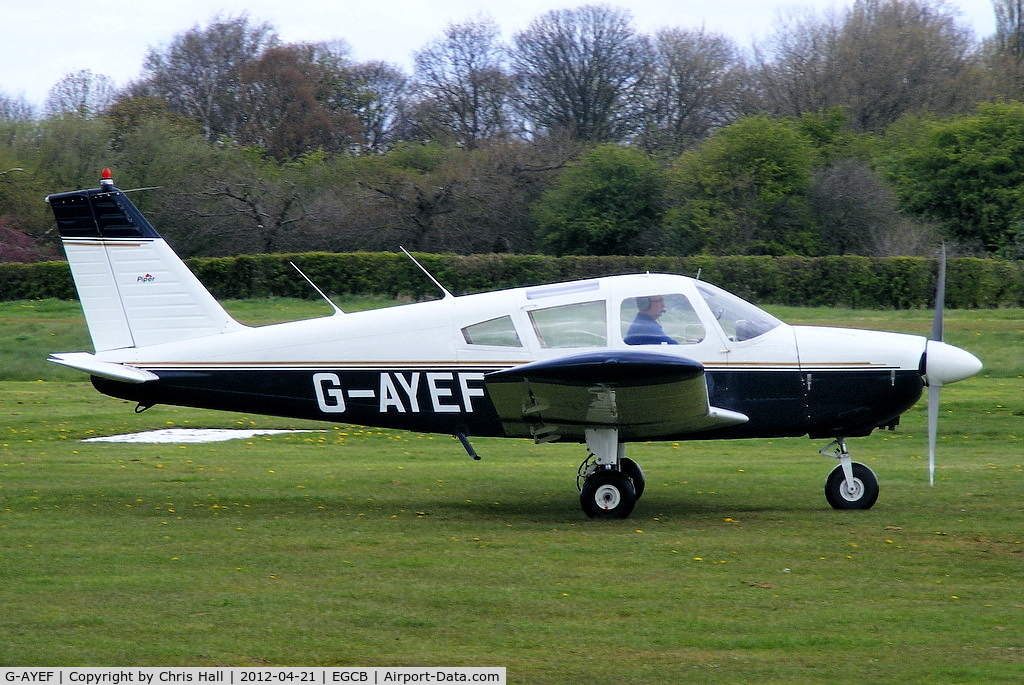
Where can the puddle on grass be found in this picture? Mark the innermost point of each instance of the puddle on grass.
(191, 435)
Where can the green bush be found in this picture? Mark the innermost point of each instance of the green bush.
(844, 281)
(37, 281)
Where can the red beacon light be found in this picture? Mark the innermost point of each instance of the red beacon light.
(106, 181)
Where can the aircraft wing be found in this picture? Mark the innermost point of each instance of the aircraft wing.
(645, 395)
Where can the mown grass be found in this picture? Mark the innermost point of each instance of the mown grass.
(356, 546)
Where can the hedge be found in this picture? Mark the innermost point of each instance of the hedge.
(847, 281)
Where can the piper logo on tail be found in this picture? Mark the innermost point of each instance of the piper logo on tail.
(148, 278)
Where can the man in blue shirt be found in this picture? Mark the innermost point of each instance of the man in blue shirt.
(645, 329)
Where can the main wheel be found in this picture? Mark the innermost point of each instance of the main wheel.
(608, 494)
(860, 494)
(630, 469)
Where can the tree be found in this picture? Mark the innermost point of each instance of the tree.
(881, 59)
(1010, 27)
(71, 151)
(380, 99)
(24, 220)
(903, 56)
(296, 100)
(199, 73)
(609, 203)
(129, 113)
(744, 192)
(695, 88)
(270, 209)
(462, 86)
(414, 183)
(582, 71)
(967, 174)
(15, 108)
(857, 212)
(18, 246)
(794, 66)
(82, 93)
(1005, 52)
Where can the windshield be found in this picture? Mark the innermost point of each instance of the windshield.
(740, 319)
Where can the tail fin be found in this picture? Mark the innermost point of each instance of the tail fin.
(135, 291)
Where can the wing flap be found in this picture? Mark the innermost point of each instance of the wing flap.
(645, 395)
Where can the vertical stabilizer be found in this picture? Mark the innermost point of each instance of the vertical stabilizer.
(135, 291)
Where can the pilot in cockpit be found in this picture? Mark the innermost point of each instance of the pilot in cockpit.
(645, 329)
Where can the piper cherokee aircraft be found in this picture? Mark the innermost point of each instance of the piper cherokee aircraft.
(604, 361)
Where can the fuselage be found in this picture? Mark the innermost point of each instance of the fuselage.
(423, 366)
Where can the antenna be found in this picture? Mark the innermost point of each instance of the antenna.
(337, 310)
(429, 275)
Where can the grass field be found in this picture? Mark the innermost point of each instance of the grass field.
(353, 546)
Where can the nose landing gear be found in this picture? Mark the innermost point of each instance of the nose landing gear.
(851, 485)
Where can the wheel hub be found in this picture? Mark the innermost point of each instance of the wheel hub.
(852, 490)
(607, 496)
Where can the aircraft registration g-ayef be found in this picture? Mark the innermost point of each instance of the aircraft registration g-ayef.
(604, 361)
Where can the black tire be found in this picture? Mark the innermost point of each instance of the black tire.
(608, 495)
(861, 495)
(631, 470)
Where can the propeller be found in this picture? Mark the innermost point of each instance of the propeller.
(933, 387)
(943, 364)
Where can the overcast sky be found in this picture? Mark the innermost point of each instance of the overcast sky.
(41, 41)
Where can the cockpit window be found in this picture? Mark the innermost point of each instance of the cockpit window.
(500, 332)
(740, 319)
(660, 319)
(572, 325)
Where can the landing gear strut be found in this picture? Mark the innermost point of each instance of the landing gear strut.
(851, 485)
(609, 483)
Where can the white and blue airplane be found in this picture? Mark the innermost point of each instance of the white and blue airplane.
(603, 362)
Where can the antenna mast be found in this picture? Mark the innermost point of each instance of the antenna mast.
(429, 275)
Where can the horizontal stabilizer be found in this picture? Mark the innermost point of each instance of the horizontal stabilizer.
(83, 361)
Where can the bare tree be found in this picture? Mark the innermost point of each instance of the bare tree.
(419, 204)
(795, 64)
(380, 95)
(1006, 49)
(462, 84)
(199, 73)
(880, 59)
(1010, 27)
(15, 108)
(582, 71)
(696, 87)
(82, 92)
(270, 208)
(901, 56)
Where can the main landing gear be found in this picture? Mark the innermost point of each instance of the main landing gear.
(609, 483)
(851, 485)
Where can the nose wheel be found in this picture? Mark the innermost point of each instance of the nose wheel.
(851, 485)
